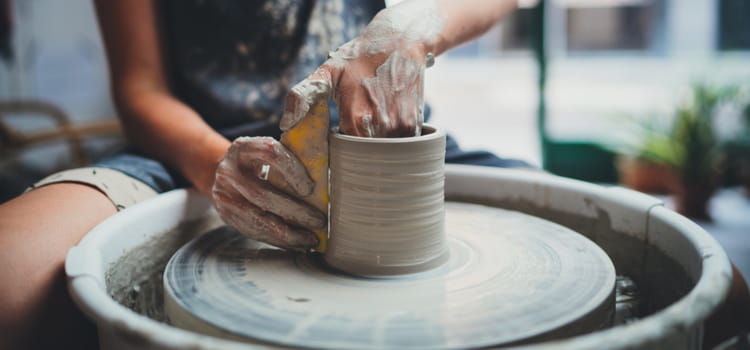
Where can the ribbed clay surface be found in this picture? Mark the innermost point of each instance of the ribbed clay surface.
(387, 215)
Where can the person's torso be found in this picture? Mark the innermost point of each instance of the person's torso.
(234, 60)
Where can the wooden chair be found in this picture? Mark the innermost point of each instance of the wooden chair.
(13, 140)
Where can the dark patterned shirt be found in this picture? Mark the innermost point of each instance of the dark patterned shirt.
(234, 60)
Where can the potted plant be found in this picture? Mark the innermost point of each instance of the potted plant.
(647, 162)
(683, 157)
(698, 164)
(702, 158)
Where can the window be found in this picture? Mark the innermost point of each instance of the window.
(511, 35)
(517, 30)
(734, 24)
(607, 25)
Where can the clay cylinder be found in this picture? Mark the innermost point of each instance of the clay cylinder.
(387, 215)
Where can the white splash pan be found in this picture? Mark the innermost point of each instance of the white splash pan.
(639, 234)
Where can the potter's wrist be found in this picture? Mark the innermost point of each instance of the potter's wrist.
(422, 51)
(219, 150)
(438, 45)
(417, 24)
(202, 168)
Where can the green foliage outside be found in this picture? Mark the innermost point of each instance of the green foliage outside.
(688, 139)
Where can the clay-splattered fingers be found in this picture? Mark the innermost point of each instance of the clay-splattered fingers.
(243, 169)
(357, 113)
(247, 199)
(257, 224)
(251, 154)
(388, 104)
(397, 94)
(363, 116)
(272, 200)
(304, 95)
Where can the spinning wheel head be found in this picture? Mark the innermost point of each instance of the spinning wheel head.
(510, 278)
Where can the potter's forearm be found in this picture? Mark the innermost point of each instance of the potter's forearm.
(465, 20)
(438, 25)
(157, 123)
(168, 130)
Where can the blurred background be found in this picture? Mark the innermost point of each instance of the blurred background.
(650, 94)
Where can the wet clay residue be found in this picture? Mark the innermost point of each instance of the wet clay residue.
(135, 279)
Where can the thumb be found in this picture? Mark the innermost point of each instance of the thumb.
(306, 94)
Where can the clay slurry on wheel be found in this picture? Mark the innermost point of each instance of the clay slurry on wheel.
(532, 280)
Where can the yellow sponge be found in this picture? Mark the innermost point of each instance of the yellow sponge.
(308, 140)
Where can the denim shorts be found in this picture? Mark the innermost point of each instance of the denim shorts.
(162, 179)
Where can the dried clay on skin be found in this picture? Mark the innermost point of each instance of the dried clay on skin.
(256, 207)
(417, 21)
(395, 93)
(307, 93)
(398, 76)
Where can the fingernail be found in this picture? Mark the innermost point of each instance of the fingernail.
(305, 187)
(287, 118)
(319, 220)
(295, 109)
(305, 239)
(287, 121)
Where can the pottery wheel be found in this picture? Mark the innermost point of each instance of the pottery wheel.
(511, 278)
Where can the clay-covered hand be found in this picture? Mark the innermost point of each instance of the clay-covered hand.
(245, 198)
(377, 78)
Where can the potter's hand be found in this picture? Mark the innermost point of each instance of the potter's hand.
(246, 200)
(376, 79)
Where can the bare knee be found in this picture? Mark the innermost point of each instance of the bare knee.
(36, 231)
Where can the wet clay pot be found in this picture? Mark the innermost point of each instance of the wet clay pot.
(387, 195)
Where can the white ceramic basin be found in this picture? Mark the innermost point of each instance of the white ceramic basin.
(682, 271)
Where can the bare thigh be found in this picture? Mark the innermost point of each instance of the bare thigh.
(36, 231)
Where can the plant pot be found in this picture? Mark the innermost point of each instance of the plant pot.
(744, 176)
(692, 196)
(645, 176)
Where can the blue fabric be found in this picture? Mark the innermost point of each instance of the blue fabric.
(455, 155)
(147, 170)
(162, 179)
